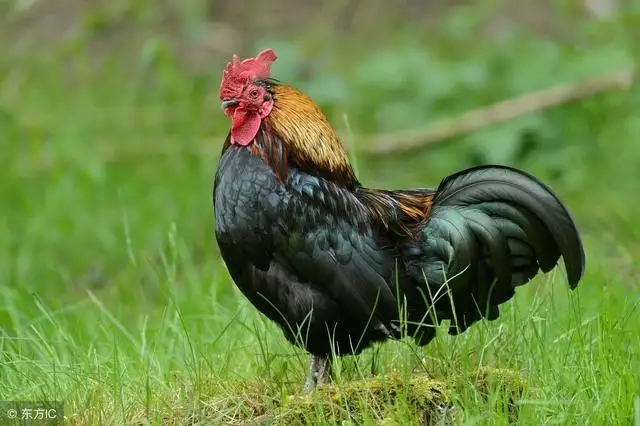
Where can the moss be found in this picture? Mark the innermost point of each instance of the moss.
(373, 399)
(382, 400)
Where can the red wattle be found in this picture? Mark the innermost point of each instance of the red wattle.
(244, 127)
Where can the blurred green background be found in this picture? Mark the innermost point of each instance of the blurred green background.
(112, 293)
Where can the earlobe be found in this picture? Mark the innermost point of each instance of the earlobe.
(265, 108)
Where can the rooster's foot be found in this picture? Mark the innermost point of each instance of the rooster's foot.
(319, 373)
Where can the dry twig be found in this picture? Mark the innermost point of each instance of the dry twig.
(379, 145)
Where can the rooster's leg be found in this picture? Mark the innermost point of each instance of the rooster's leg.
(319, 372)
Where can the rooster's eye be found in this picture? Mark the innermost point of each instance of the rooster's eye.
(254, 93)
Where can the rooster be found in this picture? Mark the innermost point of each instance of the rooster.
(339, 266)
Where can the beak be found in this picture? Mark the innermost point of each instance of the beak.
(229, 103)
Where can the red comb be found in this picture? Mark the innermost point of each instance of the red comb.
(237, 73)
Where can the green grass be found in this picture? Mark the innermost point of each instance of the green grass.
(113, 297)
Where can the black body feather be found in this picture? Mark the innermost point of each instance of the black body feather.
(313, 257)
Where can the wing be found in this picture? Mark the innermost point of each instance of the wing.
(324, 235)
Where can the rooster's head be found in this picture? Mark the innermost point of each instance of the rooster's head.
(251, 98)
(244, 95)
